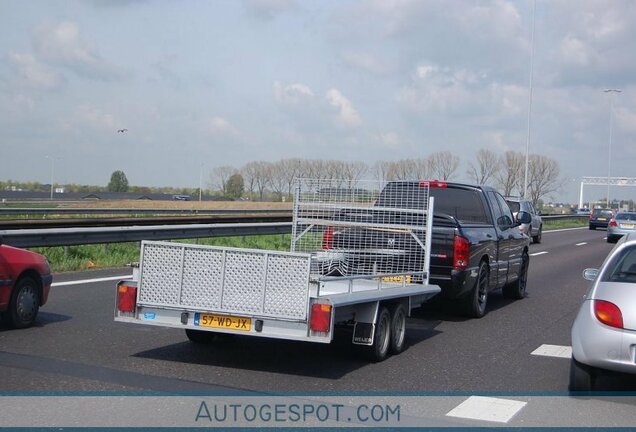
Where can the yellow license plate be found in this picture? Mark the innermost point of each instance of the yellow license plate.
(223, 321)
(602, 219)
(630, 226)
(397, 279)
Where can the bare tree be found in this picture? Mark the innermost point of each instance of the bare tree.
(220, 176)
(249, 176)
(292, 169)
(485, 168)
(262, 177)
(381, 170)
(354, 171)
(543, 177)
(509, 177)
(443, 165)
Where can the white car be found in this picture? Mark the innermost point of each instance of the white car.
(604, 331)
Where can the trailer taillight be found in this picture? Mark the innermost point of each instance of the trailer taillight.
(461, 253)
(320, 320)
(126, 298)
(327, 238)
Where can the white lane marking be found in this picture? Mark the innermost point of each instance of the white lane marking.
(487, 408)
(84, 281)
(563, 229)
(538, 253)
(580, 244)
(560, 351)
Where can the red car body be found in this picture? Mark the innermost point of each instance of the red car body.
(20, 268)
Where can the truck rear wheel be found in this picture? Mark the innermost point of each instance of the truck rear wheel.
(398, 328)
(379, 350)
(475, 306)
(517, 289)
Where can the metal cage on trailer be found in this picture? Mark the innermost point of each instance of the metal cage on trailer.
(334, 273)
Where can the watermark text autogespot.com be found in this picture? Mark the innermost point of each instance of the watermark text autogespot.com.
(278, 413)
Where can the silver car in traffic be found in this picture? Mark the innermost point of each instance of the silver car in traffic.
(533, 229)
(604, 331)
(621, 224)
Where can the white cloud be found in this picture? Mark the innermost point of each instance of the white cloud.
(292, 94)
(269, 9)
(218, 126)
(347, 114)
(390, 140)
(575, 51)
(88, 117)
(443, 91)
(61, 45)
(366, 61)
(34, 73)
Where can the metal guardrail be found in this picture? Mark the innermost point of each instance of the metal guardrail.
(97, 235)
(553, 218)
(85, 211)
(80, 236)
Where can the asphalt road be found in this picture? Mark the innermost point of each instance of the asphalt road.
(76, 345)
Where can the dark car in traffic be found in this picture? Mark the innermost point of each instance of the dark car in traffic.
(25, 281)
(599, 218)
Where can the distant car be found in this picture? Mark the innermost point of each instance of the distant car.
(599, 218)
(623, 223)
(533, 229)
(181, 197)
(25, 281)
(583, 211)
(604, 331)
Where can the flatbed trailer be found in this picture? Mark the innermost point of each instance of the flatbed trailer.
(297, 295)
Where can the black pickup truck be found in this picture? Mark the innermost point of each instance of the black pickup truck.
(476, 244)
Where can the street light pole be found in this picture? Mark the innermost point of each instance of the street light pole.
(200, 179)
(52, 171)
(525, 178)
(609, 151)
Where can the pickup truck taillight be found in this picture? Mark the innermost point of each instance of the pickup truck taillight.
(461, 253)
(327, 238)
(126, 298)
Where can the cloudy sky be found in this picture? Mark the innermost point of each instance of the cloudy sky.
(228, 82)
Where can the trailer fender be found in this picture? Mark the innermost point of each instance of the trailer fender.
(364, 328)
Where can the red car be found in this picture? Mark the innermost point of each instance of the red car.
(25, 281)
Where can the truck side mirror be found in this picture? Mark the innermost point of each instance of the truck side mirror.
(523, 217)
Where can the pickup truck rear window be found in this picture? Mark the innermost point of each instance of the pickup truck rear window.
(465, 205)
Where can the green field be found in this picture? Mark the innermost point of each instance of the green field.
(74, 258)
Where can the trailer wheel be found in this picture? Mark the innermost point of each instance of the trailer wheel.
(398, 328)
(199, 336)
(382, 338)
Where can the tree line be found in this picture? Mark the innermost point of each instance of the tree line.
(262, 180)
(274, 181)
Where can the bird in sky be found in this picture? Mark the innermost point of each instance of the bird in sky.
(122, 130)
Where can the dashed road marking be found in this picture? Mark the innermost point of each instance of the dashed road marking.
(84, 281)
(581, 244)
(539, 253)
(487, 408)
(553, 351)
